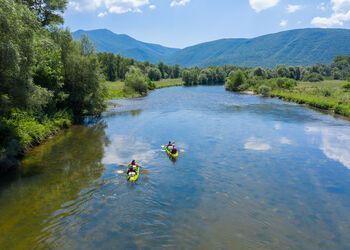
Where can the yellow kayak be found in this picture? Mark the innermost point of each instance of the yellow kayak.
(134, 178)
(174, 156)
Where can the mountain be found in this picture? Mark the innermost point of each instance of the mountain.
(293, 47)
(107, 41)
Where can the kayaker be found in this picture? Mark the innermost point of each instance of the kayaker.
(170, 146)
(132, 168)
(174, 150)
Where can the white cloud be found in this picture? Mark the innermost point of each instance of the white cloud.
(102, 14)
(322, 6)
(110, 6)
(179, 3)
(256, 144)
(259, 5)
(152, 7)
(340, 15)
(291, 8)
(284, 23)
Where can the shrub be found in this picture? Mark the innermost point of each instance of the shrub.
(264, 90)
(235, 80)
(151, 85)
(285, 83)
(346, 86)
(313, 77)
(137, 81)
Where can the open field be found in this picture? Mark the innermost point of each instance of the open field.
(326, 95)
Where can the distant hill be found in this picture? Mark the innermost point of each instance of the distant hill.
(294, 47)
(107, 41)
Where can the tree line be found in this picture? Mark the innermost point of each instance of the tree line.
(115, 67)
(339, 69)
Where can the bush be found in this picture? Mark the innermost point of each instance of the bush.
(137, 81)
(151, 85)
(264, 90)
(346, 86)
(313, 77)
(154, 74)
(285, 83)
(235, 80)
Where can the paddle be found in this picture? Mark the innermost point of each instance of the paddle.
(163, 150)
(122, 171)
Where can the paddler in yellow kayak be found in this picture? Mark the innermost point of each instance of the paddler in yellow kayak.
(132, 170)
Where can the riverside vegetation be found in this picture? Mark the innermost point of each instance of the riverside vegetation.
(320, 86)
(48, 80)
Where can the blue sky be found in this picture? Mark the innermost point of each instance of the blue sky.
(181, 23)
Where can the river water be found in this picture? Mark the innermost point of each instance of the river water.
(256, 173)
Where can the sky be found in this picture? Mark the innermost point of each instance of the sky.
(182, 23)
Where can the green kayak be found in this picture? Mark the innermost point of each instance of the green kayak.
(174, 156)
(134, 178)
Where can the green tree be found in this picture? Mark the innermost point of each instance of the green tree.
(137, 81)
(48, 11)
(81, 77)
(235, 80)
(109, 66)
(154, 73)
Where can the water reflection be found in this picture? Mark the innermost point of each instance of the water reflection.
(52, 174)
(256, 144)
(335, 142)
(118, 151)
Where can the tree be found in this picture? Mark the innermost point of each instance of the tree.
(47, 11)
(137, 81)
(154, 73)
(176, 71)
(81, 77)
(235, 80)
(109, 66)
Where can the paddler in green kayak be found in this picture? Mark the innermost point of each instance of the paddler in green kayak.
(132, 170)
(170, 145)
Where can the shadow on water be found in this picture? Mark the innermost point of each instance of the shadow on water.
(51, 175)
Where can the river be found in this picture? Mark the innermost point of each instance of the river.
(256, 173)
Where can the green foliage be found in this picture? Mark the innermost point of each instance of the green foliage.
(264, 90)
(346, 86)
(21, 130)
(235, 80)
(136, 81)
(313, 77)
(284, 83)
(151, 85)
(154, 74)
(44, 76)
(190, 76)
(47, 11)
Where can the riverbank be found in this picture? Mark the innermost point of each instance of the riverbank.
(29, 132)
(326, 95)
(116, 90)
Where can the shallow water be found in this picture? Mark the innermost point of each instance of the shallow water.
(256, 174)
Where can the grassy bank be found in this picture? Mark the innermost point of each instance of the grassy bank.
(116, 90)
(21, 131)
(326, 95)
